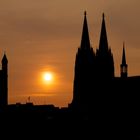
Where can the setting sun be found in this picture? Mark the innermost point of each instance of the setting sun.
(48, 77)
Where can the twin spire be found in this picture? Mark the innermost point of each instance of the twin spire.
(103, 43)
(85, 41)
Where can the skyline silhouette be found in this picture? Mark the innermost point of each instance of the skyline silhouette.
(100, 99)
(93, 71)
(44, 36)
(90, 66)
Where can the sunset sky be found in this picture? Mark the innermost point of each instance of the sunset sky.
(44, 35)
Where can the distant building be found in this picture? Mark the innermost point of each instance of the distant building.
(4, 82)
(95, 86)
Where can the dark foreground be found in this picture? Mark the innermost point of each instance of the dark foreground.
(49, 122)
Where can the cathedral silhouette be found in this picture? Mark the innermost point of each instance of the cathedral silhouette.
(96, 88)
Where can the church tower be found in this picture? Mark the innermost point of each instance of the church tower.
(4, 82)
(84, 71)
(123, 66)
(104, 56)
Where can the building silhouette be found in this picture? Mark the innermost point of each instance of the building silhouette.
(4, 82)
(96, 88)
(84, 70)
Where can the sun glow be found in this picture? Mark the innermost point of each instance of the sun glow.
(47, 77)
(48, 80)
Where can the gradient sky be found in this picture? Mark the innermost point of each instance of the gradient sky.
(42, 35)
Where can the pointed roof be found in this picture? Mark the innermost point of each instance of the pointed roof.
(103, 44)
(123, 56)
(85, 42)
(4, 59)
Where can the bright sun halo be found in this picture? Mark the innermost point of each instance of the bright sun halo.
(48, 77)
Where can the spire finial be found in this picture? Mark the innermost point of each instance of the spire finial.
(103, 15)
(85, 13)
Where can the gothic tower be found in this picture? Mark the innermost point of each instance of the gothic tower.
(123, 66)
(104, 56)
(84, 71)
(4, 82)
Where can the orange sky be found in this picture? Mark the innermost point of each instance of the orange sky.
(43, 35)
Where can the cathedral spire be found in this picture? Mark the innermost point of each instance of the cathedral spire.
(85, 42)
(104, 56)
(123, 56)
(103, 44)
(123, 66)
